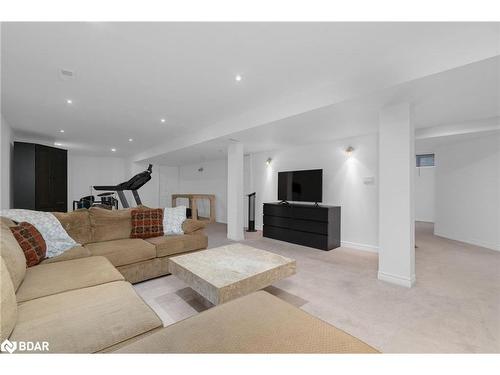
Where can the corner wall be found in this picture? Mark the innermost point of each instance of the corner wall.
(212, 180)
(169, 184)
(425, 178)
(468, 191)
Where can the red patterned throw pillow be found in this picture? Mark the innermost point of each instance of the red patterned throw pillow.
(31, 241)
(147, 223)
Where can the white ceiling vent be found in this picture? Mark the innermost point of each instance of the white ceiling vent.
(67, 74)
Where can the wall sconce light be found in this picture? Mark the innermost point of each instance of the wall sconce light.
(268, 161)
(349, 150)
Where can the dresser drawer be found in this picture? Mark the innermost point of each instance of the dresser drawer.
(297, 224)
(309, 226)
(314, 240)
(281, 210)
(277, 221)
(310, 213)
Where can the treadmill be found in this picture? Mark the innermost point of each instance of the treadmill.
(134, 184)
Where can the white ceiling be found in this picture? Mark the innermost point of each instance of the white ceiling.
(129, 75)
(461, 100)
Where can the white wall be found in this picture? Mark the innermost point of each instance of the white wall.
(424, 194)
(343, 183)
(86, 171)
(6, 144)
(169, 184)
(468, 191)
(212, 180)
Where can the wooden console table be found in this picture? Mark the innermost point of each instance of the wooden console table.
(193, 205)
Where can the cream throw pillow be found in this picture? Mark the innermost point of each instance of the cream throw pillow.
(173, 217)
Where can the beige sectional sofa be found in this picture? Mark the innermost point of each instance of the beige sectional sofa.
(106, 233)
(82, 302)
(256, 323)
(78, 306)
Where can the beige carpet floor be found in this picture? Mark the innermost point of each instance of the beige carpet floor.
(454, 307)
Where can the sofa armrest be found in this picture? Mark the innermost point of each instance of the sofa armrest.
(75, 252)
(255, 323)
(190, 226)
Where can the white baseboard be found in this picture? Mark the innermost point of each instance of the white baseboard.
(395, 279)
(352, 245)
(474, 242)
(359, 246)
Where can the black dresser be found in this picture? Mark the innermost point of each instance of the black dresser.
(40, 177)
(307, 225)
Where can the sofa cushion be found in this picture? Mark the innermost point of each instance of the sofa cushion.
(8, 304)
(47, 279)
(256, 323)
(31, 242)
(177, 244)
(147, 223)
(85, 320)
(108, 225)
(148, 269)
(190, 225)
(77, 224)
(122, 252)
(12, 253)
(76, 252)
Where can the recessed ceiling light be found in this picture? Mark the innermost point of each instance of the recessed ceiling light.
(69, 101)
(113, 149)
(130, 139)
(57, 144)
(61, 131)
(238, 78)
(163, 120)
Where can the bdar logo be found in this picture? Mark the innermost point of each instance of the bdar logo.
(24, 346)
(8, 346)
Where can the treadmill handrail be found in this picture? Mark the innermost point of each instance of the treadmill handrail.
(134, 184)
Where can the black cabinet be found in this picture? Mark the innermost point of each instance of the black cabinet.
(40, 176)
(313, 226)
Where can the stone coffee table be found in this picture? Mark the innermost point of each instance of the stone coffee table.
(227, 272)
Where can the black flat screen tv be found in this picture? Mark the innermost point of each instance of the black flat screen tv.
(301, 186)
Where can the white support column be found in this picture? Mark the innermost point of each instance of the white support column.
(396, 196)
(235, 191)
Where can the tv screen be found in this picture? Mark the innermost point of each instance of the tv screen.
(301, 186)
